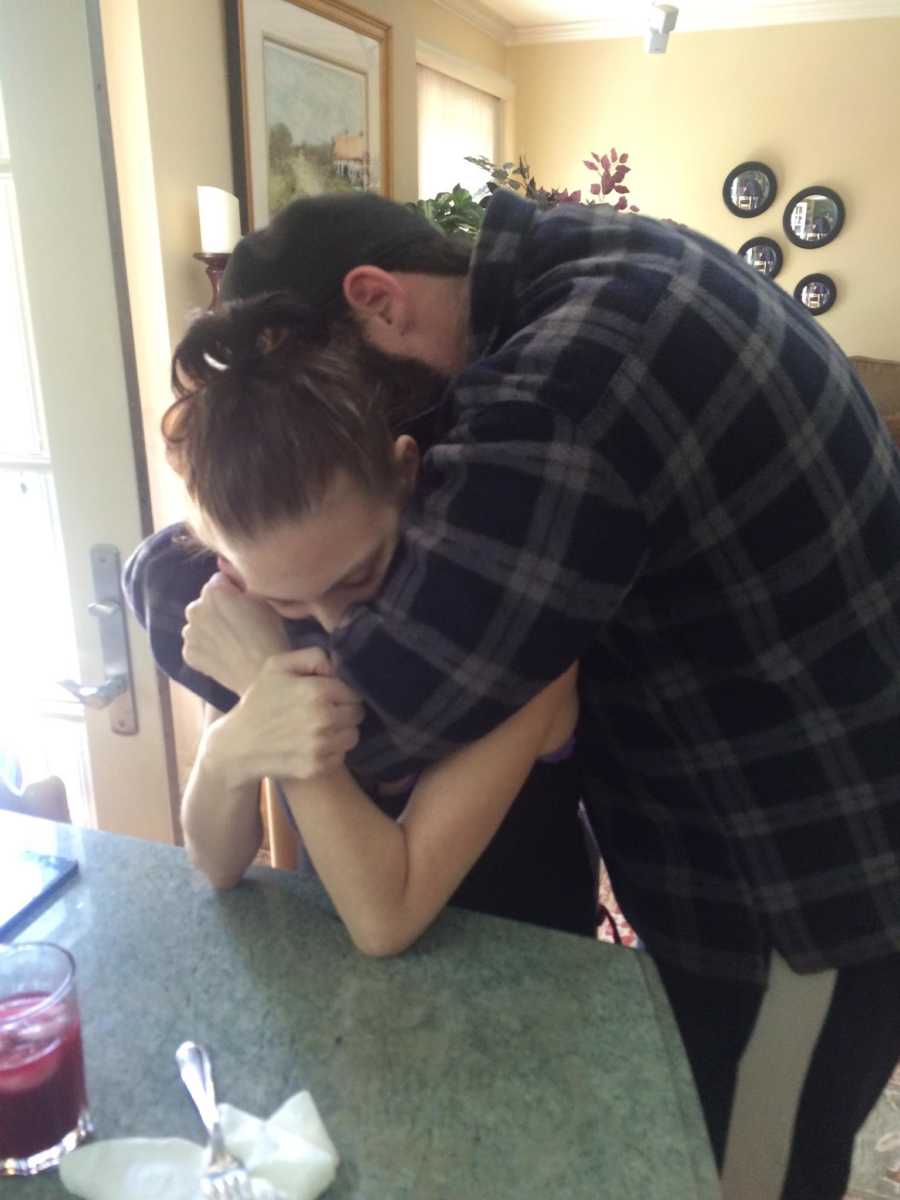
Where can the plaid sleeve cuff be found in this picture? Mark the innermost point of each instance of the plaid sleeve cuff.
(160, 579)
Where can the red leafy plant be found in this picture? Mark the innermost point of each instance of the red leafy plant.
(612, 168)
(611, 179)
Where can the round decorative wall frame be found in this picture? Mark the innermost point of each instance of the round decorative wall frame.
(817, 293)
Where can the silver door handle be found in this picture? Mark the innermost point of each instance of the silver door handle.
(96, 697)
(116, 692)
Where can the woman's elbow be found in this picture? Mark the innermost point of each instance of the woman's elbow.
(381, 942)
(222, 879)
(223, 882)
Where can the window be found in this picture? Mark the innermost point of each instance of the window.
(42, 732)
(455, 120)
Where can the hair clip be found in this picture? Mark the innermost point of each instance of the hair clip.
(214, 362)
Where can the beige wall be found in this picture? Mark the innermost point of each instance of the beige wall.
(169, 111)
(187, 103)
(818, 103)
(442, 28)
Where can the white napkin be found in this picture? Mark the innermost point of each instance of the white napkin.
(289, 1157)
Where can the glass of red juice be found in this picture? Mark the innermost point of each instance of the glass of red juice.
(43, 1104)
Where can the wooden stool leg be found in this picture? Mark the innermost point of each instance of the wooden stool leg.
(281, 835)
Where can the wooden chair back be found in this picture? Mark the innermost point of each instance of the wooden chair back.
(46, 798)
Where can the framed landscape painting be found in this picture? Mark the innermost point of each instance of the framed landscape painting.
(308, 86)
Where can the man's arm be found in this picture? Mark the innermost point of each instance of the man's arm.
(521, 545)
(160, 579)
(524, 542)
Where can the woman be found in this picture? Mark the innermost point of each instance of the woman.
(300, 487)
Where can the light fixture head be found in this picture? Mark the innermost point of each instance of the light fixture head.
(663, 18)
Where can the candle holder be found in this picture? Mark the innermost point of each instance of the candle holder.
(215, 268)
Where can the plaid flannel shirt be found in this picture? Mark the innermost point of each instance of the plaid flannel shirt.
(659, 465)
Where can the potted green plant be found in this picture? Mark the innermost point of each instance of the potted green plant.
(459, 212)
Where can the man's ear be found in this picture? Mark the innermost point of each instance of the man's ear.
(377, 299)
(407, 458)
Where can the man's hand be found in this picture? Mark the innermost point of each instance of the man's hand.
(297, 720)
(229, 636)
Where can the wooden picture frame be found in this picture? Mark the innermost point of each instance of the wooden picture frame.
(309, 99)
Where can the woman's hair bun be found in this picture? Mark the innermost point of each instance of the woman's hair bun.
(239, 336)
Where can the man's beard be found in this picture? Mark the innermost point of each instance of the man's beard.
(414, 394)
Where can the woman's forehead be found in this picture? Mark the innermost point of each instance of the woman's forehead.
(303, 558)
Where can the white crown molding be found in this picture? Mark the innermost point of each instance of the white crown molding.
(482, 18)
(705, 15)
(694, 17)
(476, 76)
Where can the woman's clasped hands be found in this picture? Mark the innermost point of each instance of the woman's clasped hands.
(229, 635)
(295, 719)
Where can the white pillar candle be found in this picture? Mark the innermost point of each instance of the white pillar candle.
(220, 220)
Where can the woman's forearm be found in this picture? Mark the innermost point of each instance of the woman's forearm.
(361, 856)
(222, 824)
(388, 879)
(286, 725)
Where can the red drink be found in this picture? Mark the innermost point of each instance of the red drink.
(41, 1075)
(43, 1106)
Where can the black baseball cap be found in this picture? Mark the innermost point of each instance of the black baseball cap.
(309, 247)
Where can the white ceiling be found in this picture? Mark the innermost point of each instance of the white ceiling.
(519, 21)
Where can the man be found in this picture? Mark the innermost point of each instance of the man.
(659, 465)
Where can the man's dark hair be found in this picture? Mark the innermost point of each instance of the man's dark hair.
(311, 245)
(273, 398)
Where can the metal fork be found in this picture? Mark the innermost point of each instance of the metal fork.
(224, 1177)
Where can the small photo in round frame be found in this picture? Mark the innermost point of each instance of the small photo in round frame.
(764, 255)
(817, 293)
(814, 217)
(749, 189)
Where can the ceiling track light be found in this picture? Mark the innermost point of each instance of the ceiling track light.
(662, 22)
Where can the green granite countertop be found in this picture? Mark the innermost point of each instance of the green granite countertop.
(493, 1060)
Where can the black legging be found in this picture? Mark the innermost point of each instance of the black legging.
(855, 1054)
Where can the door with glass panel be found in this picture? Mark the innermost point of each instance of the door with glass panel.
(69, 501)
